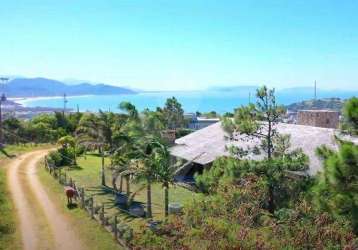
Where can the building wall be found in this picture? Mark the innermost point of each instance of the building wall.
(318, 118)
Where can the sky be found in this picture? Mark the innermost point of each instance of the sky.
(183, 44)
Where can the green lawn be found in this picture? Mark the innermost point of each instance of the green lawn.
(87, 175)
(9, 235)
(90, 232)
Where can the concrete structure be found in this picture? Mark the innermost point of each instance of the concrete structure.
(318, 118)
(197, 122)
(202, 147)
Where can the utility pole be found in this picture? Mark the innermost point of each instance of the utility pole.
(315, 90)
(64, 104)
(249, 97)
(3, 80)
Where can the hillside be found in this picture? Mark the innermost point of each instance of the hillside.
(326, 103)
(31, 87)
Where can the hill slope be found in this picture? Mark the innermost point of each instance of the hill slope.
(31, 87)
(327, 103)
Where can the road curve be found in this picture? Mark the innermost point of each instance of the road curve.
(27, 190)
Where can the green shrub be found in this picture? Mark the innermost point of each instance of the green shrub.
(55, 158)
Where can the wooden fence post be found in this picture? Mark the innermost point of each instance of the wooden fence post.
(102, 214)
(115, 229)
(46, 164)
(83, 197)
(65, 176)
(92, 208)
(59, 175)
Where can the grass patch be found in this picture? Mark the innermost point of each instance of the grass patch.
(88, 175)
(91, 233)
(9, 236)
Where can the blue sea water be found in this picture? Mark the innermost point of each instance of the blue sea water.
(203, 101)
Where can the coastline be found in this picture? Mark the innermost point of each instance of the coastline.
(24, 100)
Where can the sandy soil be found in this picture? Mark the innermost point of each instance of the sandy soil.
(26, 191)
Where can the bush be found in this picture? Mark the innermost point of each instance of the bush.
(67, 155)
(55, 158)
(182, 132)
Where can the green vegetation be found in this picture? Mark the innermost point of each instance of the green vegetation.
(350, 112)
(327, 103)
(267, 204)
(87, 174)
(242, 204)
(337, 188)
(9, 238)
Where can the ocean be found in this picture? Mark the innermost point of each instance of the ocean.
(192, 101)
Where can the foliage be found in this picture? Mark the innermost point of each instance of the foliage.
(279, 181)
(55, 158)
(7, 218)
(173, 114)
(182, 132)
(337, 189)
(350, 116)
(234, 218)
(257, 120)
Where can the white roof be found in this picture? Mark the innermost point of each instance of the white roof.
(205, 145)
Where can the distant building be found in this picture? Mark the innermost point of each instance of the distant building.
(318, 118)
(196, 122)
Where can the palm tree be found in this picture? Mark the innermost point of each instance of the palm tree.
(145, 165)
(90, 134)
(127, 126)
(164, 172)
(121, 159)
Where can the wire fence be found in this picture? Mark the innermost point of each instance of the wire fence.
(122, 233)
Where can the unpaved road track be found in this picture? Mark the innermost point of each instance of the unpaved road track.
(34, 206)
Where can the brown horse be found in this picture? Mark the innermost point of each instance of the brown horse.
(70, 193)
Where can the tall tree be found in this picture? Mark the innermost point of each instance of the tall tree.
(257, 120)
(89, 132)
(173, 114)
(153, 122)
(145, 166)
(165, 172)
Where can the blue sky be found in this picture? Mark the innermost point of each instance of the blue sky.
(183, 44)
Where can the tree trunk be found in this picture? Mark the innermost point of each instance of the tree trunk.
(121, 184)
(166, 199)
(128, 185)
(271, 204)
(103, 174)
(114, 180)
(75, 155)
(269, 141)
(149, 199)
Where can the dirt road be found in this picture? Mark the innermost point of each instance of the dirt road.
(42, 225)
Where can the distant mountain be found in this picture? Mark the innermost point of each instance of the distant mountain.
(246, 88)
(34, 87)
(327, 103)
